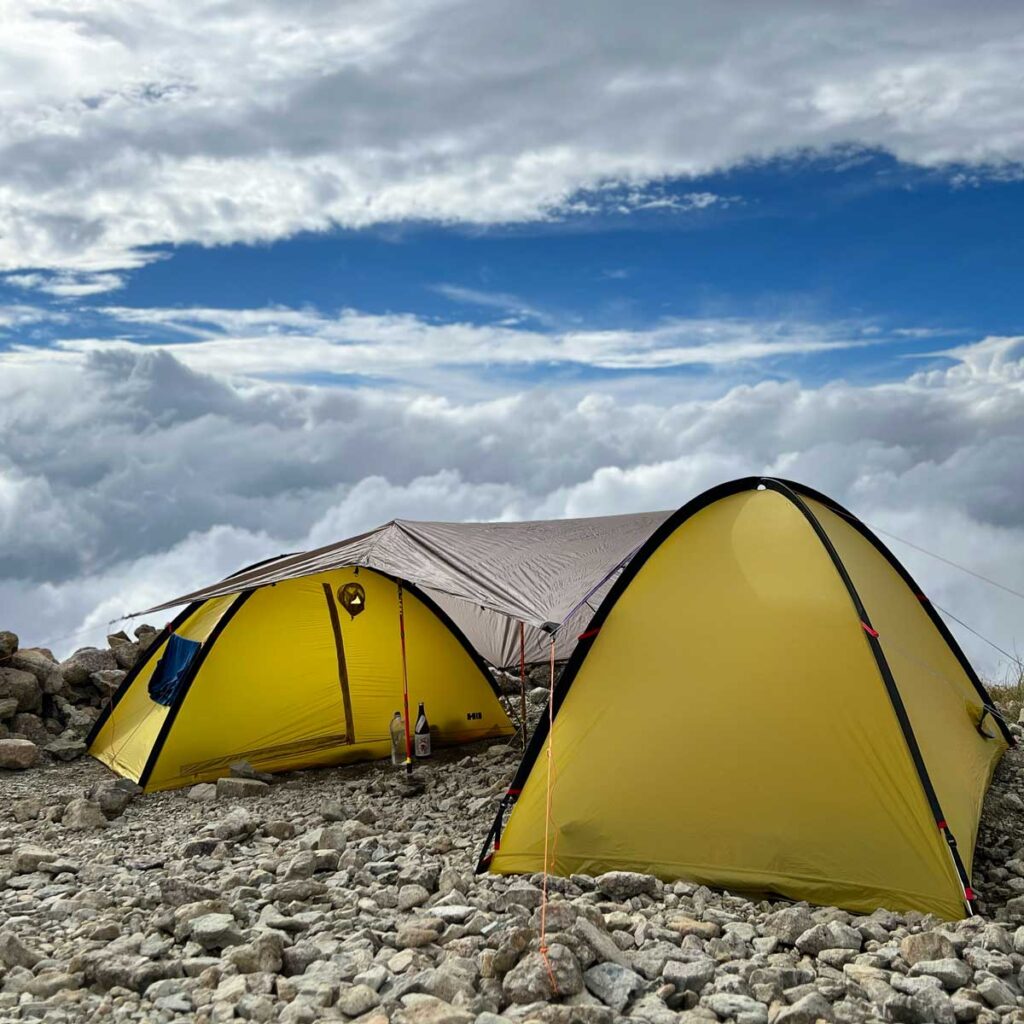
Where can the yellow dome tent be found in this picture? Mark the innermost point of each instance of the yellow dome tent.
(307, 671)
(764, 701)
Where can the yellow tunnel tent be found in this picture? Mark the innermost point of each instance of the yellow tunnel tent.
(764, 701)
(306, 671)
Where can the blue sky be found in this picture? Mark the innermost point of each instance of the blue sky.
(465, 260)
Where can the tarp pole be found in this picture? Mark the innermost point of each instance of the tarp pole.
(405, 681)
(522, 680)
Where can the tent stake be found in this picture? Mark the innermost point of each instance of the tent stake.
(405, 682)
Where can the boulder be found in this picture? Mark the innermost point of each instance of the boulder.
(8, 706)
(24, 687)
(65, 748)
(17, 754)
(107, 681)
(624, 885)
(834, 935)
(789, 924)
(806, 1010)
(8, 643)
(77, 669)
(216, 931)
(738, 1007)
(81, 815)
(14, 952)
(235, 789)
(30, 727)
(690, 976)
(613, 984)
(926, 946)
(41, 664)
(951, 973)
(114, 795)
(530, 980)
(203, 792)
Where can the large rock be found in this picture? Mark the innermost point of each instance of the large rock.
(114, 795)
(24, 687)
(612, 984)
(41, 664)
(789, 924)
(216, 931)
(690, 976)
(8, 706)
(107, 681)
(734, 1006)
(530, 980)
(65, 748)
(234, 789)
(14, 952)
(806, 1010)
(81, 815)
(834, 935)
(623, 885)
(30, 727)
(8, 643)
(18, 754)
(926, 946)
(77, 669)
(952, 973)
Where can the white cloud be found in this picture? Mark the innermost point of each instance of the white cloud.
(125, 125)
(126, 476)
(66, 285)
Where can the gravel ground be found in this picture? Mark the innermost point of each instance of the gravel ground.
(342, 894)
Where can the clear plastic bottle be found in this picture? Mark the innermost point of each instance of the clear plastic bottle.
(397, 728)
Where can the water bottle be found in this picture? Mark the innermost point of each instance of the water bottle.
(397, 728)
(421, 735)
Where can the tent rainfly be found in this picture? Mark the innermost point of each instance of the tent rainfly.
(305, 672)
(765, 701)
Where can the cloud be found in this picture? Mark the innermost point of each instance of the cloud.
(128, 126)
(127, 475)
(66, 285)
(290, 343)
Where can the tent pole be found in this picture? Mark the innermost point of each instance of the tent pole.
(405, 682)
(522, 681)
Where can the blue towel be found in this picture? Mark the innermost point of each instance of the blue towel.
(172, 669)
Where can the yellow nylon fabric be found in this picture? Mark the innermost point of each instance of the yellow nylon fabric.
(729, 725)
(269, 689)
(128, 735)
(941, 703)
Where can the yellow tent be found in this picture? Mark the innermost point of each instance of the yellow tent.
(766, 702)
(308, 671)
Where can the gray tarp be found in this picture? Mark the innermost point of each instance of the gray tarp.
(488, 577)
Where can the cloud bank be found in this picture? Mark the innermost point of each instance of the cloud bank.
(127, 125)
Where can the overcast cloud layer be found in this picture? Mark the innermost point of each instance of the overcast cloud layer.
(179, 443)
(131, 124)
(126, 476)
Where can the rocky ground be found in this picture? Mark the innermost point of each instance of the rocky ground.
(348, 894)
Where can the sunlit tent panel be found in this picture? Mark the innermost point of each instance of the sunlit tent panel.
(295, 675)
(766, 703)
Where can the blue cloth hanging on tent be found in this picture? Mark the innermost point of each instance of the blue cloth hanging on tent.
(172, 669)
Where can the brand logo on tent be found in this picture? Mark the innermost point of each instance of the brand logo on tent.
(352, 598)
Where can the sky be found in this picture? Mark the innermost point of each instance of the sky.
(272, 273)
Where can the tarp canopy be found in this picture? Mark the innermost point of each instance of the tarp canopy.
(488, 577)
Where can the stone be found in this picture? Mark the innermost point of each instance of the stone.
(30, 727)
(996, 992)
(952, 973)
(690, 976)
(530, 980)
(424, 1009)
(236, 824)
(31, 858)
(613, 984)
(789, 924)
(18, 754)
(15, 953)
(623, 885)
(114, 796)
(23, 687)
(77, 669)
(203, 792)
(8, 643)
(410, 896)
(357, 1000)
(65, 749)
(734, 1006)
(244, 770)
(40, 663)
(8, 706)
(928, 1005)
(81, 815)
(107, 681)
(215, 931)
(833, 935)
(237, 789)
(806, 1010)
(926, 946)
